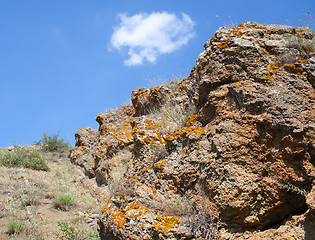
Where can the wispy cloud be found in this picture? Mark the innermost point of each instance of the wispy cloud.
(146, 36)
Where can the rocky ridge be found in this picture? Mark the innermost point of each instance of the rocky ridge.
(226, 153)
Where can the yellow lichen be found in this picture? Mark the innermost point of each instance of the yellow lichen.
(153, 195)
(165, 223)
(159, 165)
(192, 119)
(137, 207)
(119, 218)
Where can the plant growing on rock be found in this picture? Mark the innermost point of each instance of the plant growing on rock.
(173, 113)
(202, 224)
(288, 186)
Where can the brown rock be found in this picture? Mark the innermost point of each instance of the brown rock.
(243, 164)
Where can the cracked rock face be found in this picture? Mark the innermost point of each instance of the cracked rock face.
(240, 166)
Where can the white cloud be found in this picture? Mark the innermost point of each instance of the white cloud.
(146, 36)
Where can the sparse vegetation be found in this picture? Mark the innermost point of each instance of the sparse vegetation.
(288, 186)
(302, 44)
(15, 226)
(202, 224)
(75, 232)
(64, 201)
(175, 113)
(20, 157)
(53, 143)
(309, 22)
(286, 58)
(28, 200)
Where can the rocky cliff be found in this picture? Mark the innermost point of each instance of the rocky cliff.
(226, 153)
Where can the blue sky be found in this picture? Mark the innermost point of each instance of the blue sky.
(63, 62)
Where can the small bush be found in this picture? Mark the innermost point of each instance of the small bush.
(20, 157)
(71, 232)
(64, 201)
(53, 143)
(15, 226)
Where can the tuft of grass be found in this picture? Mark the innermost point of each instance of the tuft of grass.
(15, 226)
(302, 44)
(53, 143)
(20, 157)
(286, 58)
(175, 113)
(64, 201)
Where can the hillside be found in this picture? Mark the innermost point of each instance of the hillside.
(226, 153)
(34, 203)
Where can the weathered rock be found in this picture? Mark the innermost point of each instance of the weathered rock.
(241, 167)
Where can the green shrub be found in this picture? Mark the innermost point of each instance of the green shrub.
(53, 143)
(64, 201)
(15, 226)
(71, 232)
(20, 157)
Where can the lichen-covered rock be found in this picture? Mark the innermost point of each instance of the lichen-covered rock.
(241, 165)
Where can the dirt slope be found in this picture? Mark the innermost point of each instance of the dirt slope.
(28, 196)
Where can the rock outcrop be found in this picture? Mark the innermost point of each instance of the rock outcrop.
(226, 153)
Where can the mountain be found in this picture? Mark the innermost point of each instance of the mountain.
(226, 153)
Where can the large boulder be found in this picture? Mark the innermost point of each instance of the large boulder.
(242, 164)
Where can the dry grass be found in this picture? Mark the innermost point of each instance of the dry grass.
(287, 58)
(174, 114)
(202, 224)
(302, 44)
(28, 196)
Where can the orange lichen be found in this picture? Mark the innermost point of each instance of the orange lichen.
(159, 165)
(139, 92)
(153, 195)
(181, 85)
(150, 134)
(165, 223)
(196, 98)
(119, 218)
(197, 130)
(136, 208)
(273, 73)
(263, 47)
(192, 119)
(222, 45)
(104, 209)
(124, 133)
(187, 131)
